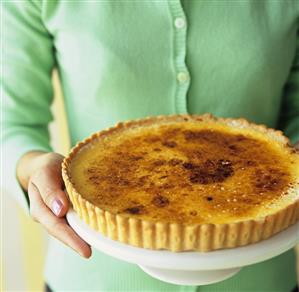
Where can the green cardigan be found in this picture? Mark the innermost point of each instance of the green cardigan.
(121, 60)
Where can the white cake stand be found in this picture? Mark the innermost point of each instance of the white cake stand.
(188, 268)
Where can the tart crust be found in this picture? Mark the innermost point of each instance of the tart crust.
(179, 236)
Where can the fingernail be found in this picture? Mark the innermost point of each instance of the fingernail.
(56, 206)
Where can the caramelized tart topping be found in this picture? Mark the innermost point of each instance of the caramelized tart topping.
(182, 172)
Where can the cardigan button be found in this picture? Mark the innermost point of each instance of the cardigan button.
(183, 77)
(179, 22)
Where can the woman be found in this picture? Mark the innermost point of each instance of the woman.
(121, 60)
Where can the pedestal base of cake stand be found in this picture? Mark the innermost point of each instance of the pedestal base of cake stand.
(192, 278)
(188, 268)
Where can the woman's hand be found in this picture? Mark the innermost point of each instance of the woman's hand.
(40, 174)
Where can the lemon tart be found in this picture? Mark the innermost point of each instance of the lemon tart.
(185, 182)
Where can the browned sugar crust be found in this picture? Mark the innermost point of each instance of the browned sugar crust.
(182, 172)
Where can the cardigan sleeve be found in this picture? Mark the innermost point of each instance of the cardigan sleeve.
(26, 88)
(289, 122)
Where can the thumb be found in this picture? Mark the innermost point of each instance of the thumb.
(50, 186)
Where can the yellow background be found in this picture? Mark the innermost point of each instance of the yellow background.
(33, 250)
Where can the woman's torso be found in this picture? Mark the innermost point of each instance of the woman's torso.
(121, 60)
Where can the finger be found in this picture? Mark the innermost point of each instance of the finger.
(50, 185)
(55, 226)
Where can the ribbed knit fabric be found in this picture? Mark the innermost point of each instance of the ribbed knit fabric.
(121, 60)
(179, 55)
